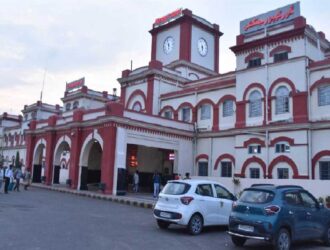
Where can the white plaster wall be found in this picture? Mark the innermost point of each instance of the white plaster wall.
(225, 145)
(175, 103)
(297, 49)
(130, 89)
(188, 73)
(206, 61)
(174, 54)
(313, 52)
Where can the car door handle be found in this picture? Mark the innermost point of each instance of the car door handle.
(290, 212)
(201, 200)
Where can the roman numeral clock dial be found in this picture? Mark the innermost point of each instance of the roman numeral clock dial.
(168, 45)
(202, 47)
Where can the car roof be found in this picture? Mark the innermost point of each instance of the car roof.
(271, 187)
(196, 181)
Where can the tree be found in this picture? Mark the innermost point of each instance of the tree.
(17, 160)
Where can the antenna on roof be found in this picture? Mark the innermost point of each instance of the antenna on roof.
(131, 65)
(43, 85)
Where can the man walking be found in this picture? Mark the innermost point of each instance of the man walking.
(136, 180)
(8, 177)
(17, 175)
(1, 177)
(156, 181)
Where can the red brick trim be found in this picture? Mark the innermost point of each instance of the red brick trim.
(254, 55)
(318, 83)
(282, 80)
(282, 138)
(254, 141)
(248, 162)
(222, 157)
(252, 86)
(202, 156)
(225, 98)
(167, 107)
(280, 48)
(290, 162)
(135, 93)
(316, 158)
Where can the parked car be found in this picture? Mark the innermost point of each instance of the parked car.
(194, 204)
(279, 215)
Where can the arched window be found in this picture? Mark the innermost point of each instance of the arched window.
(282, 100)
(228, 108)
(324, 95)
(68, 106)
(185, 112)
(205, 112)
(168, 114)
(75, 105)
(255, 104)
(137, 107)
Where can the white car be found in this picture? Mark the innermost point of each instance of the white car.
(194, 204)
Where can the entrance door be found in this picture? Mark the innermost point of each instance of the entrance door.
(57, 174)
(202, 168)
(83, 178)
(36, 174)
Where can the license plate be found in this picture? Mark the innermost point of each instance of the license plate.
(246, 228)
(165, 215)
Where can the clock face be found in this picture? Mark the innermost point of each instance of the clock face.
(168, 45)
(202, 47)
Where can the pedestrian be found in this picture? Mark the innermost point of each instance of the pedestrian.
(27, 178)
(17, 176)
(8, 177)
(177, 177)
(136, 180)
(2, 174)
(187, 176)
(156, 181)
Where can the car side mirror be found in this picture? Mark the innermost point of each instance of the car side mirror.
(234, 198)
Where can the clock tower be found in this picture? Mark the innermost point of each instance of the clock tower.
(182, 36)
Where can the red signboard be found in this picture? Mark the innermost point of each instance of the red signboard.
(75, 84)
(168, 17)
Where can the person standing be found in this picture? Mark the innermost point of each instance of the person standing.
(17, 175)
(187, 177)
(8, 177)
(156, 181)
(27, 179)
(2, 173)
(136, 180)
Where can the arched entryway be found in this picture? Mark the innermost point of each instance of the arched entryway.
(90, 165)
(61, 163)
(39, 161)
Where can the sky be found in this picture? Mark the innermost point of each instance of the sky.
(58, 41)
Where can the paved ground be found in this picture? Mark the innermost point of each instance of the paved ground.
(41, 219)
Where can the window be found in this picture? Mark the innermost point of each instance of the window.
(228, 108)
(282, 100)
(186, 114)
(282, 148)
(205, 112)
(256, 196)
(308, 200)
(283, 173)
(281, 56)
(254, 173)
(168, 114)
(222, 192)
(324, 95)
(68, 106)
(176, 188)
(255, 104)
(325, 170)
(202, 168)
(75, 105)
(292, 198)
(226, 169)
(137, 107)
(255, 62)
(254, 149)
(204, 190)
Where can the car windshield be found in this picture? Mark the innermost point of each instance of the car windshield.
(176, 188)
(257, 196)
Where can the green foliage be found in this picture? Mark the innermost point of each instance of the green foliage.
(17, 160)
(327, 199)
(321, 200)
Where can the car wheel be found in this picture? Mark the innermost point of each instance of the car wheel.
(195, 225)
(163, 224)
(327, 236)
(238, 241)
(282, 240)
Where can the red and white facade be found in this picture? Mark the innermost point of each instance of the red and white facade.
(268, 119)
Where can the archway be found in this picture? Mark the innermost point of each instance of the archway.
(61, 162)
(38, 162)
(90, 165)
